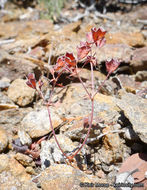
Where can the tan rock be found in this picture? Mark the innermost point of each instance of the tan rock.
(13, 175)
(131, 39)
(20, 93)
(4, 162)
(18, 171)
(59, 176)
(3, 140)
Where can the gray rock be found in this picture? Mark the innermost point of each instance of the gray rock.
(4, 84)
(24, 137)
(135, 109)
(10, 120)
(36, 123)
(20, 93)
(50, 153)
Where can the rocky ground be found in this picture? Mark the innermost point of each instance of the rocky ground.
(118, 140)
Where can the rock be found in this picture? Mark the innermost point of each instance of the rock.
(129, 84)
(139, 59)
(36, 123)
(119, 51)
(112, 150)
(141, 76)
(9, 182)
(24, 159)
(6, 103)
(56, 176)
(3, 140)
(7, 106)
(4, 162)
(5, 99)
(18, 170)
(130, 134)
(13, 175)
(130, 38)
(10, 120)
(135, 109)
(50, 153)
(20, 93)
(24, 138)
(76, 106)
(4, 83)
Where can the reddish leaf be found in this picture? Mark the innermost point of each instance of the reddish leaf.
(112, 65)
(83, 50)
(70, 59)
(65, 62)
(31, 80)
(60, 63)
(97, 34)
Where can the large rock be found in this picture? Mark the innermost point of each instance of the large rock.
(60, 176)
(135, 109)
(13, 175)
(20, 93)
(36, 123)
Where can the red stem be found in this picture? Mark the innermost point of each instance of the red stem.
(51, 125)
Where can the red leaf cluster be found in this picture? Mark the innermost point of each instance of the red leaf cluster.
(96, 36)
(65, 62)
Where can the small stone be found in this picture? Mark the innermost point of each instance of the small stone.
(3, 140)
(4, 83)
(30, 170)
(24, 159)
(141, 76)
(20, 93)
(24, 137)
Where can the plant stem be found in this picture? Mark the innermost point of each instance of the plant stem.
(90, 125)
(51, 125)
(92, 112)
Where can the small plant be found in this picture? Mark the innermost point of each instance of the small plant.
(69, 63)
(51, 8)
